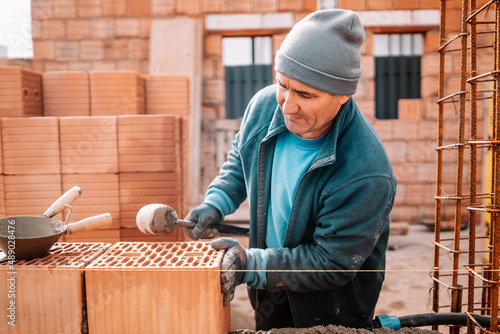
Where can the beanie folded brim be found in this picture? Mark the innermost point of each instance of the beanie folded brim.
(313, 78)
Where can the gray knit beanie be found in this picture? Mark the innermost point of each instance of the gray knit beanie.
(322, 51)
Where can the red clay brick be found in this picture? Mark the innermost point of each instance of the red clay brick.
(102, 28)
(100, 194)
(30, 195)
(127, 27)
(431, 41)
(145, 27)
(78, 29)
(429, 4)
(310, 5)
(396, 150)
(213, 46)
(405, 172)
(429, 86)
(239, 6)
(115, 49)
(57, 66)
(427, 130)
(65, 9)
(41, 9)
(88, 145)
(36, 29)
(426, 172)
(265, 6)
(188, 7)
(162, 7)
(114, 7)
(67, 50)
(137, 66)
(138, 8)
(91, 50)
(138, 49)
(214, 89)
(421, 151)
(104, 65)
(289, 5)
(409, 109)
(53, 284)
(355, 5)
(89, 8)
(215, 6)
(405, 130)
(158, 262)
(404, 4)
(378, 5)
(54, 29)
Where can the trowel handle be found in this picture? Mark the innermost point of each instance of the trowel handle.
(60, 204)
(89, 224)
(222, 228)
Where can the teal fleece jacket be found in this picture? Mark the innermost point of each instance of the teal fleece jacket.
(333, 258)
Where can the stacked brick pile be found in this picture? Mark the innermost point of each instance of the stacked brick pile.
(121, 157)
(20, 92)
(49, 291)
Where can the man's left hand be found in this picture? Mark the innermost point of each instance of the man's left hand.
(232, 267)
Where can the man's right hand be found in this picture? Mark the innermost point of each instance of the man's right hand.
(203, 216)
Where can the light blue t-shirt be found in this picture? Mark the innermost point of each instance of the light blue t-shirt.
(292, 158)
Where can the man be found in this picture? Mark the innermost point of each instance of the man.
(319, 184)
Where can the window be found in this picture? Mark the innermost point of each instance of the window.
(397, 71)
(248, 68)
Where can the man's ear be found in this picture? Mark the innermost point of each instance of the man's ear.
(344, 98)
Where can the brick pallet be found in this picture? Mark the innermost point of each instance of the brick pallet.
(49, 291)
(156, 288)
(20, 92)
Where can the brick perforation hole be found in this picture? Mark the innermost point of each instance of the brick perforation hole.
(159, 255)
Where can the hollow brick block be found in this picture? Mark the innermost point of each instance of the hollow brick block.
(167, 95)
(155, 288)
(54, 29)
(78, 29)
(138, 189)
(30, 145)
(378, 5)
(20, 92)
(88, 145)
(214, 6)
(127, 27)
(355, 5)
(100, 194)
(66, 93)
(148, 143)
(265, 6)
(30, 195)
(49, 291)
(116, 93)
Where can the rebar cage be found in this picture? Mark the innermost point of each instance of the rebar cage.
(465, 272)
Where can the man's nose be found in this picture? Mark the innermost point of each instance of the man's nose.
(289, 104)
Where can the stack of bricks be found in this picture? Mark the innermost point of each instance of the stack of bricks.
(181, 281)
(121, 162)
(20, 92)
(116, 93)
(89, 159)
(150, 167)
(167, 93)
(66, 94)
(31, 164)
(49, 292)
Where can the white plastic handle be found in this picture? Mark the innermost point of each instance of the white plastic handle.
(89, 224)
(60, 204)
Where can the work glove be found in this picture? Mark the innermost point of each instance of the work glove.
(203, 216)
(233, 266)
